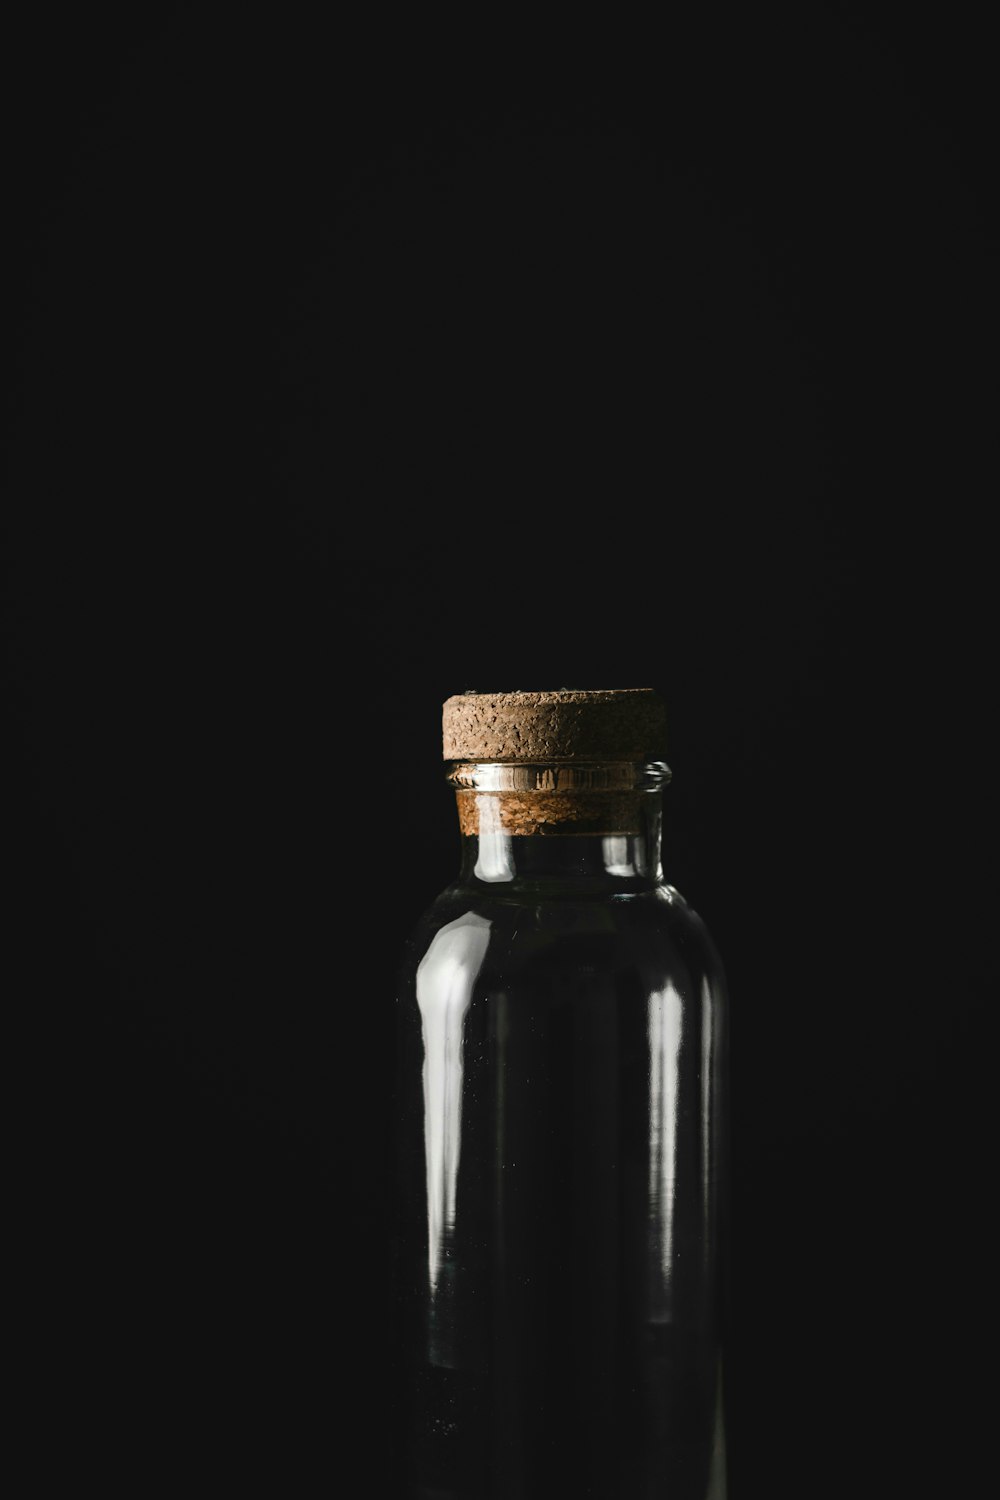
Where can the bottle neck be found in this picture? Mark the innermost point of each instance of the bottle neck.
(594, 823)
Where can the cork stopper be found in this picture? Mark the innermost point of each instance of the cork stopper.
(622, 724)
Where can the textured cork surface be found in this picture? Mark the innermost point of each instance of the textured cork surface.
(535, 814)
(566, 724)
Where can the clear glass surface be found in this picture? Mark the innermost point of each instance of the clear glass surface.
(560, 1190)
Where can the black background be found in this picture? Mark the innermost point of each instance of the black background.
(356, 364)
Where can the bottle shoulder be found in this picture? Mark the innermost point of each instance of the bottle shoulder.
(626, 902)
(651, 927)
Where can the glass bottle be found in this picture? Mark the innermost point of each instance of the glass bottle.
(560, 1126)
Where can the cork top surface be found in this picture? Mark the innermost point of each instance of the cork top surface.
(561, 724)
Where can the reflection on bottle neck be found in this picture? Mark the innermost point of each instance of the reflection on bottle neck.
(497, 857)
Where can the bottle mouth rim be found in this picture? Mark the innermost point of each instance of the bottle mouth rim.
(557, 776)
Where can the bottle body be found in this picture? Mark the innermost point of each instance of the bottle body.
(561, 1137)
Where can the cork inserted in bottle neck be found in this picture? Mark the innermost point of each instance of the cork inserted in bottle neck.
(568, 761)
